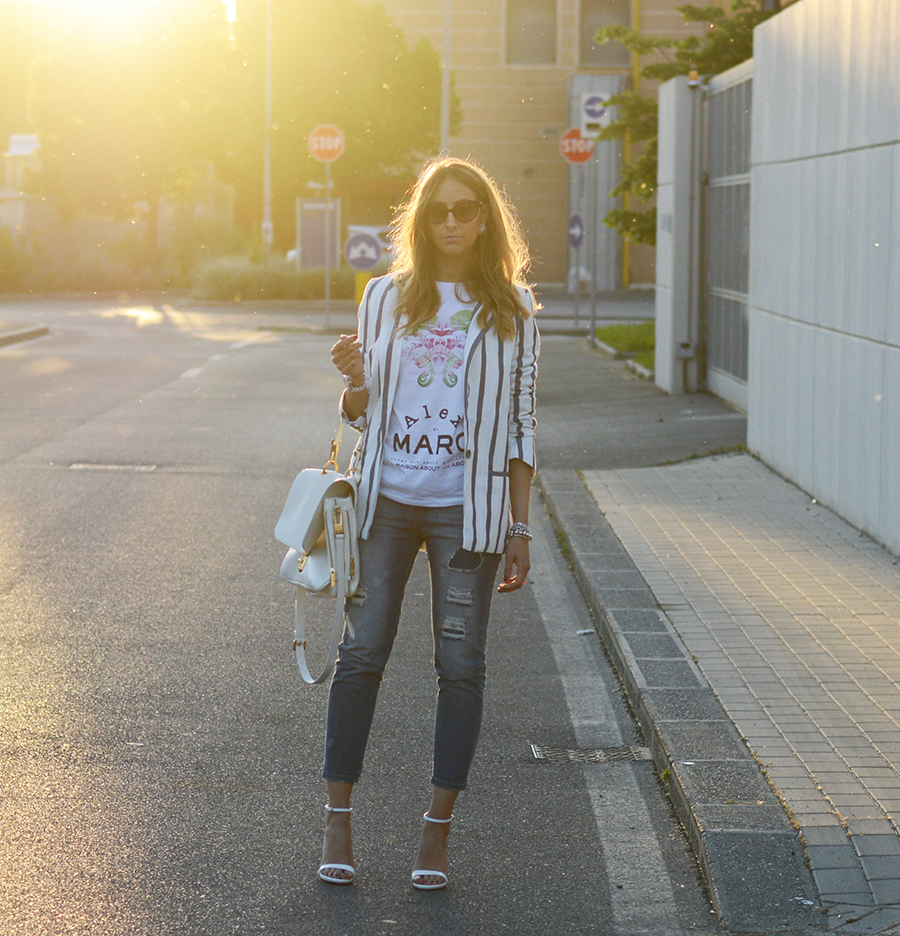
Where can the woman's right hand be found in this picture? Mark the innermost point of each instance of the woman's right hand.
(346, 356)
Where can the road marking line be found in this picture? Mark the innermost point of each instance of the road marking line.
(87, 466)
(192, 373)
(641, 892)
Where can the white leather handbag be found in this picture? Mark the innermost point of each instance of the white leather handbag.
(318, 525)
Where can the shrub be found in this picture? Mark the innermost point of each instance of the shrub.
(230, 278)
(13, 264)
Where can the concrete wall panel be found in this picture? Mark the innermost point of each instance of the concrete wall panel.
(827, 417)
(892, 335)
(873, 92)
(782, 360)
(889, 524)
(861, 422)
(665, 268)
(824, 386)
(665, 364)
(867, 242)
(677, 313)
(802, 237)
(831, 221)
(764, 264)
(795, 392)
(834, 33)
(807, 242)
(665, 169)
(859, 75)
(809, 78)
(760, 429)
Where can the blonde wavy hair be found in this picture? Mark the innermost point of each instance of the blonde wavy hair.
(501, 259)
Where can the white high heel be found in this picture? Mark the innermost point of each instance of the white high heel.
(419, 872)
(330, 866)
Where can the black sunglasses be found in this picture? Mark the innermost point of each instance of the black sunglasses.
(463, 210)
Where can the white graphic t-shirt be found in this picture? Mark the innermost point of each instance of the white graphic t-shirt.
(424, 453)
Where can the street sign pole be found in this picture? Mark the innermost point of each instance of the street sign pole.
(595, 210)
(298, 221)
(266, 230)
(578, 151)
(326, 143)
(328, 246)
(576, 236)
(577, 282)
(594, 117)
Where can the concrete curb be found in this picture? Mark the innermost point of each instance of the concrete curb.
(22, 334)
(749, 853)
(641, 371)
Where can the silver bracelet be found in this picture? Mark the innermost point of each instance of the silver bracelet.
(521, 530)
(351, 388)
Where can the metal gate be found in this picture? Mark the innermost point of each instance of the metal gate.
(727, 234)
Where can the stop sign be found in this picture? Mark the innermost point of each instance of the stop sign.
(326, 143)
(575, 147)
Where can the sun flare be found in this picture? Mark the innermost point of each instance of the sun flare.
(105, 10)
(109, 11)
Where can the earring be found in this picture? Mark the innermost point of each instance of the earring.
(482, 228)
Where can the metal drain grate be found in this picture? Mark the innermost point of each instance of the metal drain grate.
(554, 755)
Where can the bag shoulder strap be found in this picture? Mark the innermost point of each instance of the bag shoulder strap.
(342, 576)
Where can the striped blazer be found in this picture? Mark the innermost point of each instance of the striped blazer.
(499, 412)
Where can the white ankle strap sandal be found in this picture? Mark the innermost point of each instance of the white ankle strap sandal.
(421, 873)
(348, 870)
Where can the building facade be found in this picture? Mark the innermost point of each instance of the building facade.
(513, 63)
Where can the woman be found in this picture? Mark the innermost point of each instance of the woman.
(440, 382)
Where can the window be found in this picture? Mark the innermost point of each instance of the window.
(597, 13)
(531, 32)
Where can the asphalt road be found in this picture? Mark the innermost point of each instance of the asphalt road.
(159, 754)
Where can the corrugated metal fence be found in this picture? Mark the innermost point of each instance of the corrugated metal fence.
(727, 231)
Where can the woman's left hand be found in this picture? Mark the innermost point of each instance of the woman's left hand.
(518, 564)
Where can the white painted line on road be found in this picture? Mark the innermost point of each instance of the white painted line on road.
(688, 416)
(192, 373)
(641, 891)
(87, 466)
(239, 344)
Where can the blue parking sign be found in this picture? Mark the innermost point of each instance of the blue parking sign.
(576, 231)
(362, 251)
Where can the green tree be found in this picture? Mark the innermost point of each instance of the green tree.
(726, 42)
(22, 33)
(342, 62)
(126, 109)
(137, 105)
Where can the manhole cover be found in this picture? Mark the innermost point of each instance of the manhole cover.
(556, 755)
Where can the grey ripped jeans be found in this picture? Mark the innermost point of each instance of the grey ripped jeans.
(462, 585)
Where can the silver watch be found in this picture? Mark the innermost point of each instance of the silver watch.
(351, 388)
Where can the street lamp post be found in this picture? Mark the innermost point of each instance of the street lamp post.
(445, 80)
(267, 231)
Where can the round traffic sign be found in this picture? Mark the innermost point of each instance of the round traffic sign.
(362, 251)
(576, 231)
(575, 147)
(326, 143)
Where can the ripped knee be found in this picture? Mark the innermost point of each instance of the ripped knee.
(453, 629)
(357, 600)
(349, 629)
(465, 561)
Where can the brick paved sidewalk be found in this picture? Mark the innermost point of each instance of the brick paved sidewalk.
(794, 618)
